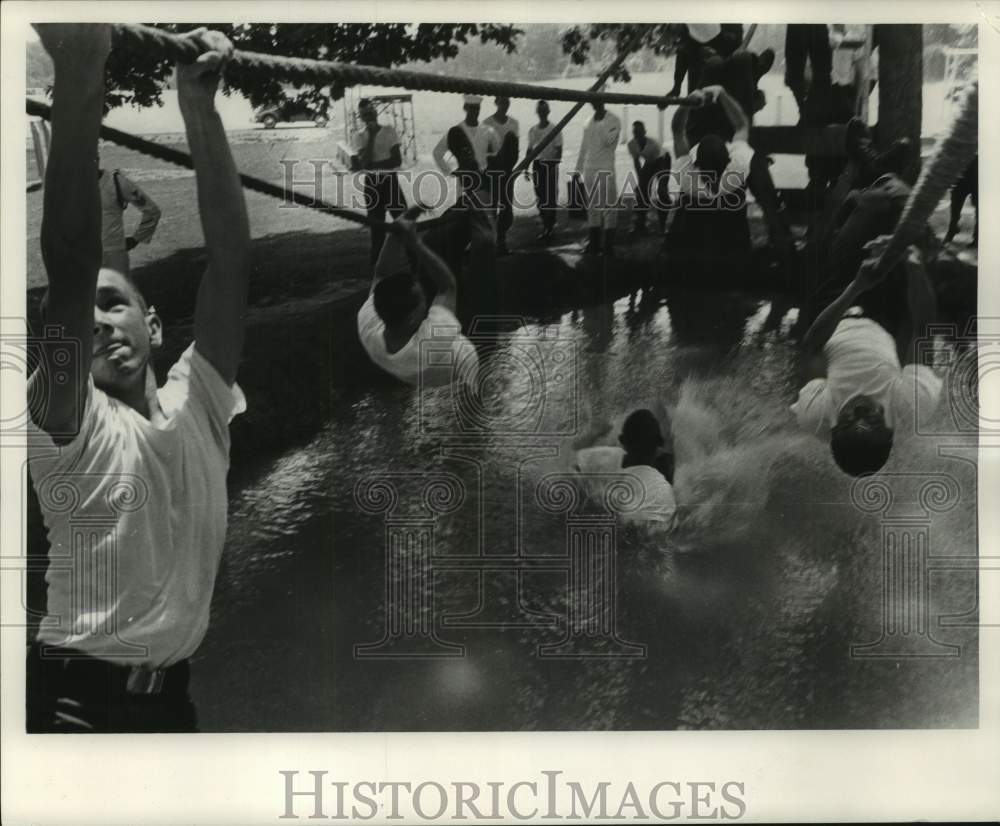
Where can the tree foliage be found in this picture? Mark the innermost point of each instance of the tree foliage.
(137, 77)
(603, 40)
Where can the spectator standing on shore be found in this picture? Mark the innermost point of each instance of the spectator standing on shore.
(117, 193)
(545, 169)
(509, 133)
(377, 153)
(596, 164)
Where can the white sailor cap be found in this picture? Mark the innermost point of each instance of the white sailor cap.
(703, 32)
(473, 100)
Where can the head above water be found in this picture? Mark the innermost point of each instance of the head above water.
(126, 331)
(641, 433)
(398, 298)
(861, 440)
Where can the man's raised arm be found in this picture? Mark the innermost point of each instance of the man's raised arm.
(219, 319)
(71, 218)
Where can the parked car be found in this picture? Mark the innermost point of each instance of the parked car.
(289, 111)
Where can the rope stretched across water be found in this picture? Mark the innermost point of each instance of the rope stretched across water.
(949, 161)
(175, 156)
(350, 74)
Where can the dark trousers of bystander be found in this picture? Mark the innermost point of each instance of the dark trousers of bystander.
(545, 176)
(382, 194)
(68, 692)
(650, 191)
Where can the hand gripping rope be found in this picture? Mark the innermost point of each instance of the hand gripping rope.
(299, 68)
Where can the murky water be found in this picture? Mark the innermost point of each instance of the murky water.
(743, 619)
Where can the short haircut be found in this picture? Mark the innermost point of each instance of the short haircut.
(641, 431)
(43, 305)
(395, 297)
(712, 155)
(639, 123)
(860, 452)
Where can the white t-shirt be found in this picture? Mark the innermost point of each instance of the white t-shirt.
(385, 139)
(484, 142)
(136, 519)
(658, 504)
(502, 129)
(861, 359)
(733, 183)
(552, 152)
(600, 140)
(651, 151)
(438, 350)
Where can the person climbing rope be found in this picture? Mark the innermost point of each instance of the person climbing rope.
(113, 656)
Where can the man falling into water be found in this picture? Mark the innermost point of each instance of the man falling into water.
(863, 382)
(124, 616)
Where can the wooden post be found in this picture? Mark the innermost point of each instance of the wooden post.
(901, 79)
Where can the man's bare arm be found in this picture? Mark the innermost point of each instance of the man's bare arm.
(71, 218)
(219, 319)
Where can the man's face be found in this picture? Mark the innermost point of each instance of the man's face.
(503, 104)
(598, 107)
(638, 130)
(862, 413)
(368, 114)
(125, 333)
(543, 111)
(472, 111)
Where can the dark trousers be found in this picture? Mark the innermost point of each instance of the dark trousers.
(502, 183)
(651, 190)
(80, 694)
(966, 187)
(545, 175)
(809, 41)
(382, 194)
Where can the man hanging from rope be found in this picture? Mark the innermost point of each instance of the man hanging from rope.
(864, 384)
(126, 612)
(407, 331)
(376, 151)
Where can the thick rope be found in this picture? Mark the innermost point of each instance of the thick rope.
(175, 156)
(947, 165)
(551, 136)
(305, 69)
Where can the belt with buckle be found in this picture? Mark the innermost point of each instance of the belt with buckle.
(138, 680)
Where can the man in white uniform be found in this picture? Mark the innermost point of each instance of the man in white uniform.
(376, 151)
(545, 169)
(128, 605)
(416, 338)
(117, 192)
(508, 131)
(596, 163)
(861, 393)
